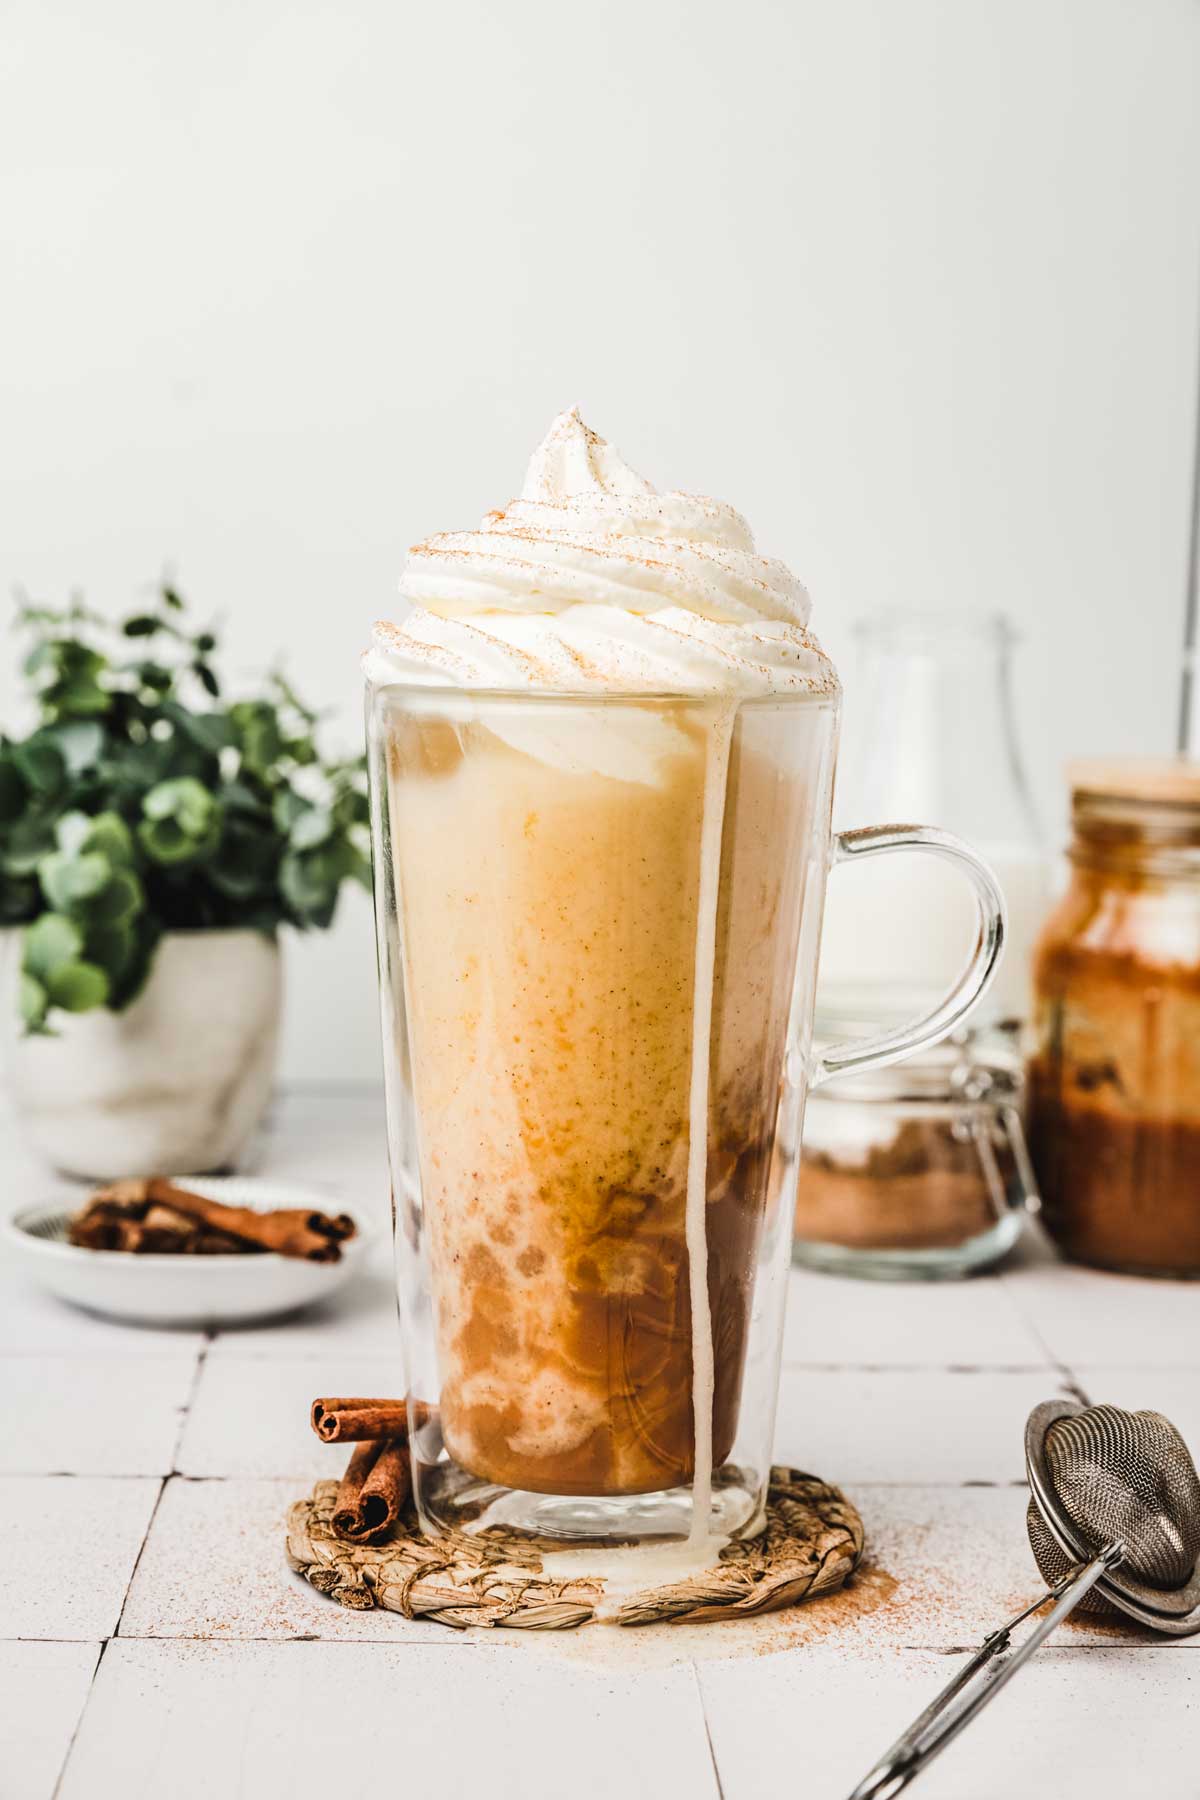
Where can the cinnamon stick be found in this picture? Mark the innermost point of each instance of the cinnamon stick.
(152, 1230)
(104, 1227)
(98, 1227)
(172, 1231)
(386, 1489)
(347, 1509)
(288, 1231)
(357, 1421)
(372, 1492)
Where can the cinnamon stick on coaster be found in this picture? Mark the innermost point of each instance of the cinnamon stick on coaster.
(358, 1421)
(373, 1490)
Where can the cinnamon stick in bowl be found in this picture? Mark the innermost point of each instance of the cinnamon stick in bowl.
(288, 1231)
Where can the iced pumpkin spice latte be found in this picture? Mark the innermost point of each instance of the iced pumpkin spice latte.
(603, 743)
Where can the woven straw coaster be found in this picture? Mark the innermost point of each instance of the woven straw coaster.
(812, 1543)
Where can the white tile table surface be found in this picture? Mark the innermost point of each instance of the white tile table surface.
(152, 1640)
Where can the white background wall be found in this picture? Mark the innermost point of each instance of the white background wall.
(912, 282)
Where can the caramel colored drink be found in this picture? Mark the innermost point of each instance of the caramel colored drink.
(601, 745)
(598, 963)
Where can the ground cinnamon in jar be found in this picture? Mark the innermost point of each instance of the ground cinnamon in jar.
(918, 1170)
(1115, 1078)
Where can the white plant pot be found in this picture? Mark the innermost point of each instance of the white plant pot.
(175, 1084)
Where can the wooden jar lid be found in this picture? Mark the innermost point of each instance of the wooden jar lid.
(1155, 780)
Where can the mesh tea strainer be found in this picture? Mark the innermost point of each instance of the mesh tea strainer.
(1114, 1524)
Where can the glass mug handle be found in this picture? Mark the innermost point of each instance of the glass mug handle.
(859, 1054)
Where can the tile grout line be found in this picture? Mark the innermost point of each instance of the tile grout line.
(950, 1484)
(1046, 1365)
(184, 1414)
(185, 1411)
(66, 1757)
(1055, 1362)
(712, 1755)
(458, 1644)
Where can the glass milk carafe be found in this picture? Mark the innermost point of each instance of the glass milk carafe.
(930, 734)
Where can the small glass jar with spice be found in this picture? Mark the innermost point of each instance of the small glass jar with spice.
(1114, 1081)
(918, 1171)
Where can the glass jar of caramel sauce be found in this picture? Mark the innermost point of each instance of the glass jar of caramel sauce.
(1114, 1081)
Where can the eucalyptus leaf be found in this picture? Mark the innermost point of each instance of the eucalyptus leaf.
(118, 900)
(20, 897)
(33, 1001)
(237, 883)
(352, 807)
(129, 982)
(23, 847)
(77, 986)
(79, 742)
(239, 797)
(165, 841)
(109, 833)
(154, 675)
(77, 698)
(77, 690)
(113, 948)
(184, 800)
(12, 790)
(72, 832)
(313, 828)
(42, 764)
(69, 880)
(287, 807)
(246, 865)
(309, 883)
(258, 734)
(50, 942)
(211, 731)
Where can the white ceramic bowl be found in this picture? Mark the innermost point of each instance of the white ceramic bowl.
(182, 1290)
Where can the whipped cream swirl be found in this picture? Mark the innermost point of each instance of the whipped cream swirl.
(593, 580)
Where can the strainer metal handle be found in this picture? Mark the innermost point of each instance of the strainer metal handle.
(941, 1722)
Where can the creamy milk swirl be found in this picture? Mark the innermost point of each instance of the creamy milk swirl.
(592, 580)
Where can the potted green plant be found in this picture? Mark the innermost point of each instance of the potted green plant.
(153, 839)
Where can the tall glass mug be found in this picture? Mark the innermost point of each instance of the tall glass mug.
(598, 929)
